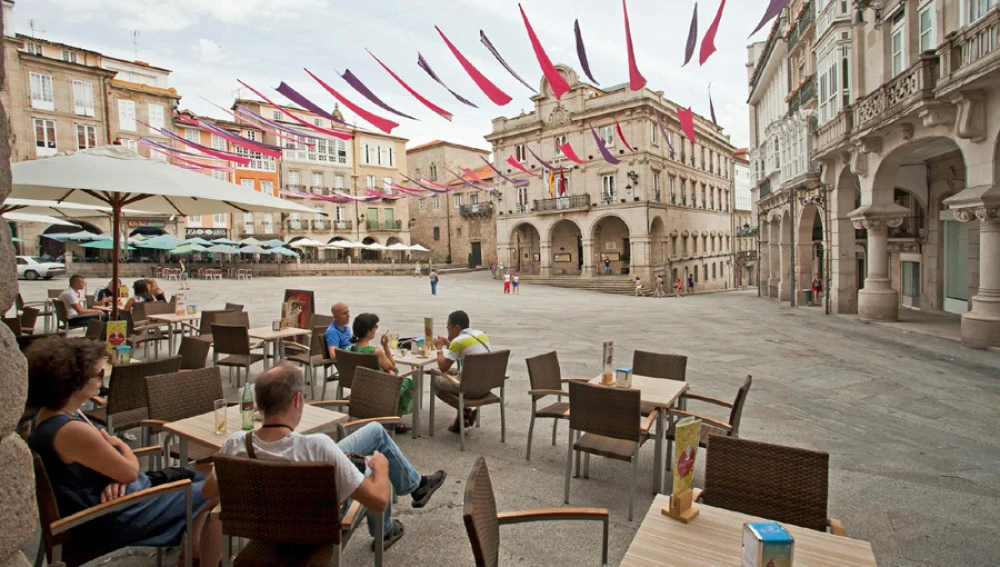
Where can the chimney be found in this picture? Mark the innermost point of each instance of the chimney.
(8, 18)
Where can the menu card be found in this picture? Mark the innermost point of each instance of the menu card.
(607, 354)
(115, 333)
(428, 333)
(688, 432)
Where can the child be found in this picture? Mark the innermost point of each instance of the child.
(517, 284)
(506, 282)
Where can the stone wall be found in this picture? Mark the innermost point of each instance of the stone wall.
(102, 272)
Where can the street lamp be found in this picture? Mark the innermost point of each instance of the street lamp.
(875, 5)
(633, 178)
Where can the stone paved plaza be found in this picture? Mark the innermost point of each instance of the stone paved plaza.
(910, 422)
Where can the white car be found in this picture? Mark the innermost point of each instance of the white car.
(33, 268)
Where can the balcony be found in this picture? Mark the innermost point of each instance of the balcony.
(832, 14)
(295, 187)
(320, 225)
(294, 225)
(911, 228)
(383, 226)
(834, 132)
(341, 225)
(765, 188)
(521, 208)
(803, 96)
(752, 231)
(970, 51)
(801, 26)
(477, 210)
(581, 201)
(319, 190)
(912, 86)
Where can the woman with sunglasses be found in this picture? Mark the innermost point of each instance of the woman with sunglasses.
(364, 329)
(87, 467)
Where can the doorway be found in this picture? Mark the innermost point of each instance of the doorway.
(477, 254)
(956, 266)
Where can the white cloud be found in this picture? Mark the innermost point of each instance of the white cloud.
(209, 51)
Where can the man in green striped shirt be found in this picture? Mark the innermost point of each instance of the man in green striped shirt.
(461, 341)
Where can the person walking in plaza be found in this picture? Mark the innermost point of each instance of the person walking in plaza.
(607, 266)
(659, 286)
(817, 288)
(515, 282)
(690, 284)
(493, 270)
(506, 282)
(280, 397)
(434, 281)
(416, 270)
(678, 288)
(461, 340)
(184, 275)
(639, 290)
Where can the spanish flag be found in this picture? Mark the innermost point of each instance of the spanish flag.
(552, 179)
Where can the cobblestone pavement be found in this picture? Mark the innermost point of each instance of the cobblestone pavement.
(910, 421)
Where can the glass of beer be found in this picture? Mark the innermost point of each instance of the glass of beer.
(221, 406)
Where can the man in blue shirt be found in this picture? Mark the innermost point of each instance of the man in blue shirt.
(338, 334)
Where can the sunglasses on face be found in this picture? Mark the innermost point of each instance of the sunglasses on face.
(100, 375)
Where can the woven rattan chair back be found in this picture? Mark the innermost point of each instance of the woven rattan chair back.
(374, 394)
(236, 318)
(233, 307)
(54, 293)
(96, 330)
(48, 508)
(784, 484)
(736, 414)
(543, 372)
(170, 397)
(139, 311)
(207, 318)
(29, 316)
(348, 362)
(127, 385)
(279, 501)
(158, 308)
(480, 515)
(483, 372)
(193, 352)
(231, 339)
(605, 410)
(320, 320)
(658, 365)
(62, 316)
(19, 302)
(14, 323)
(317, 342)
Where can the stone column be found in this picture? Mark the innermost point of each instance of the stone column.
(589, 270)
(774, 266)
(545, 269)
(641, 265)
(878, 301)
(981, 325)
(785, 283)
(763, 263)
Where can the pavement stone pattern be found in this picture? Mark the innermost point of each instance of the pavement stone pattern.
(910, 421)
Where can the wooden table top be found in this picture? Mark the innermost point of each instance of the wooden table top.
(268, 334)
(200, 429)
(715, 537)
(415, 360)
(174, 317)
(658, 391)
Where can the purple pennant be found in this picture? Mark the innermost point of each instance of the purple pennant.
(489, 45)
(581, 52)
(608, 157)
(469, 183)
(294, 96)
(166, 148)
(426, 67)
(543, 163)
(663, 132)
(281, 127)
(221, 154)
(426, 187)
(515, 182)
(773, 9)
(692, 36)
(239, 140)
(711, 105)
(351, 79)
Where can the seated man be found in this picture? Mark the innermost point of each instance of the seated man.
(76, 314)
(279, 393)
(105, 296)
(460, 341)
(338, 334)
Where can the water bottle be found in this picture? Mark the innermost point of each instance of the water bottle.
(246, 408)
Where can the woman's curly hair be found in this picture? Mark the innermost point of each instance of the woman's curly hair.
(60, 366)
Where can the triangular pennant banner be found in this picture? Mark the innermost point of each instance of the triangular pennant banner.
(423, 64)
(437, 109)
(383, 124)
(711, 105)
(608, 156)
(692, 36)
(489, 45)
(570, 154)
(518, 165)
(541, 162)
(516, 182)
(294, 96)
(686, 118)
(310, 125)
(492, 91)
(635, 79)
(708, 42)
(621, 135)
(352, 79)
(581, 52)
(773, 9)
(556, 81)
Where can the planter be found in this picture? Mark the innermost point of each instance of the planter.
(625, 271)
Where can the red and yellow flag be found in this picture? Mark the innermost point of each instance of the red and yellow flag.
(552, 179)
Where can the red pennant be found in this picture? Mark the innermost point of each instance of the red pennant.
(686, 118)
(708, 42)
(567, 151)
(517, 165)
(556, 81)
(621, 136)
(383, 124)
(492, 91)
(437, 109)
(635, 79)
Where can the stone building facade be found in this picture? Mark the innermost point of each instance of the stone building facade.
(462, 225)
(659, 211)
(744, 224)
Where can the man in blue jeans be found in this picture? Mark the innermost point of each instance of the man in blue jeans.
(279, 393)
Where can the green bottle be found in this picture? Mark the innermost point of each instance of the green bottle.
(246, 408)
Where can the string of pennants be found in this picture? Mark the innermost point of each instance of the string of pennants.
(307, 133)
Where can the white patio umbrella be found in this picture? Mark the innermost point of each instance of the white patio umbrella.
(344, 244)
(40, 207)
(42, 219)
(419, 248)
(250, 241)
(306, 243)
(117, 177)
(222, 249)
(254, 250)
(284, 252)
(399, 247)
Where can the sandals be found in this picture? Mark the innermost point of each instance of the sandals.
(403, 428)
(470, 420)
(422, 496)
(392, 536)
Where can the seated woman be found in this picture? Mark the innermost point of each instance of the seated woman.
(88, 467)
(364, 329)
(154, 290)
(140, 294)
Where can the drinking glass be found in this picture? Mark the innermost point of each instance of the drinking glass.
(276, 325)
(221, 407)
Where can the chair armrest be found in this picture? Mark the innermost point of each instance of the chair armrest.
(564, 380)
(295, 346)
(216, 512)
(324, 403)
(359, 422)
(713, 422)
(190, 326)
(99, 400)
(542, 393)
(147, 451)
(836, 527)
(542, 514)
(64, 524)
(153, 422)
(708, 399)
(650, 420)
(455, 380)
(352, 514)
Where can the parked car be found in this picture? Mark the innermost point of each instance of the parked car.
(33, 267)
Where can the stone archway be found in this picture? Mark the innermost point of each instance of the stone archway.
(612, 240)
(566, 249)
(785, 283)
(526, 249)
(54, 248)
(810, 253)
(659, 253)
(369, 255)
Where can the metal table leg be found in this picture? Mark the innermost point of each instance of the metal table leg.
(658, 459)
(183, 451)
(418, 403)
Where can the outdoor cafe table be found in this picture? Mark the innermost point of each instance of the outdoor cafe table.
(418, 363)
(200, 429)
(663, 394)
(173, 320)
(715, 537)
(269, 335)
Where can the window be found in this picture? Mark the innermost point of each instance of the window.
(370, 182)
(474, 198)
(654, 134)
(520, 152)
(41, 91)
(258, 161)
(926, 20)
(155, 117)
(220, 175)
(432, 173)
(83, 98)
(392, 156)
(267, 186)
(327, 151)
(35, 48)
(437, 231)
(713, 270)
(318, 122)
(275, 114)
(338, 181)
(522, 199)
(317, 180)
(250, 135)
(387, 185)
(559, 141)
(247, 184)
(160, 156)
(458, 231)
(68, 56)
(607, 189)
(979, 8)
(458, 201)
(192, 135)
(218, 142)
(340, 214)
(130, 144)
(607, 134)
(219, 219)
(294, 178)
(423, 205)
(366, 152)
(898, 40)
(45, 137)
(656, 186)
(86, 137)
(126, 115)
(437, 203)
(194, 220)
(268, 222)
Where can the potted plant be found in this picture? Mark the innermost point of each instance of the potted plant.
(447, 259)
(625, 258)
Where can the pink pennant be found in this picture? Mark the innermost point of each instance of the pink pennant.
(436, 185)
(621, 136)
(492, 91)
(708, 42)
(267, 150)
(343, 195)
(172, 151)
(473, 175)
(426, 187)
(517, 165)
(635, 79)
(567, 151)
(205, 149)
(411, 191)
(437, 109)
(260, 126)
(381, 195)
(311, 126)
(465, 181)
(556, 81)
(686, 118)
(187, 161)
(383, 124)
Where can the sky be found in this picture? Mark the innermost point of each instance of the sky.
(209, 44)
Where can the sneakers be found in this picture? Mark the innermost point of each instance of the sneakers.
(422, 495)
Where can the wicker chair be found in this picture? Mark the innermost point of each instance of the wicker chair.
(193, 352)
(481, 374)
(608, 418)
(240, 318)
(291, 517)
(97, 330)
(125, 406)
(234, 307)
(546, 380)
(54, 293)
(204, 327)
(56, 529)
(347, 363)
(14, 323)
(316, 357)
(374, 399)
(320, 320)
(234, 341)
(29, 316)
(44, 308)
(784, 484)
(658, 365)
(713, 427)
(482, 522)
(140, 333)
(172, 397)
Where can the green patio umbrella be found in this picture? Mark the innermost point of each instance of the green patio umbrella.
(250, 241)
(188, 249)
(254, 250)
(223, 241)
(16, 239)
(275, 243)
(163, 245)
(223, 249)
(81, 236)
(199, 241)
(284, 252)
(104, 245)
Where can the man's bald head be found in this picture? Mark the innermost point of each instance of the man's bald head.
(341, 314)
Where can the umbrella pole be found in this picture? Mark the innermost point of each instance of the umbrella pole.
(116, 222)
